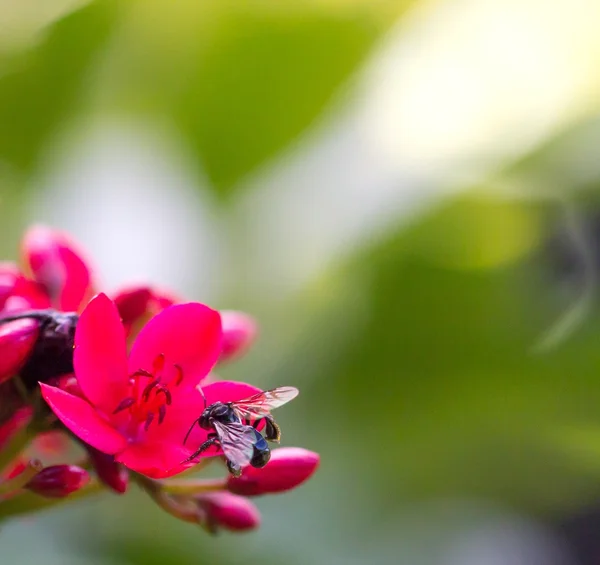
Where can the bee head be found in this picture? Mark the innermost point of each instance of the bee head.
(214, 411)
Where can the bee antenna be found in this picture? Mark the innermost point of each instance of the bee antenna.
(189, 431)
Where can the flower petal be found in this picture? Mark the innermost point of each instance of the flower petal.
(239, 333)
(83, 420)
(187, 335)
(56, 262)
(9, 275)
(28, 294)
(137, 305)
(156, 460)
(100, 356)
(228, 391)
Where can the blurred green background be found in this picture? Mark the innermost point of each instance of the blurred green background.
(403, 193)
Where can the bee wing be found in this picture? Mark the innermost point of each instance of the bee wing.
(261, 404)
(237, 441)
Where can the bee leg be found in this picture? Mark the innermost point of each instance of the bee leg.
(272, 430)
(212, 440)
(254, 424)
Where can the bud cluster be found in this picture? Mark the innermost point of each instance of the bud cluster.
(98, 392)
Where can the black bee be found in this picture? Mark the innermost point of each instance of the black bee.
(233, 427)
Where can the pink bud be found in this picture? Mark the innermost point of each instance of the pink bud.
(139, 303)
(58, 481)
(226, 510)
(288, 468)
(239, 333)
(17, 340)
(112, 474)
(58, 265)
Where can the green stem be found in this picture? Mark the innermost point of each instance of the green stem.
(193, 486)
(28, 502)
(15, 445)
(179, 507)
(18, 482)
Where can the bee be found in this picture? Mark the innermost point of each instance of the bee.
(233, 427)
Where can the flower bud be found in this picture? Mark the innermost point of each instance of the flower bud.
(288, 468)
(226, 510)
(113, 474)
(58, 481)
(239, 333)
(58, 265)
(17, 341)
(138, 304)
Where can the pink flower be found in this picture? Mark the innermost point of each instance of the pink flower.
(288, 468)
(138, 408)
(58, 265)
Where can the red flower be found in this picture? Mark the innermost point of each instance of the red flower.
(139, 408)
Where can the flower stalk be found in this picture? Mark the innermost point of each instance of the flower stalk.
(16, 483)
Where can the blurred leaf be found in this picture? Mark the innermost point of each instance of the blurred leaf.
(262, 79)
(40, 89)
(476, 231)
(438, 388)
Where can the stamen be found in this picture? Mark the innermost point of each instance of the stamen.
(149, 387)
(162, 412)
(142, 373)
(166, 392)
(179, 378)
(149, 419)
(124, 404)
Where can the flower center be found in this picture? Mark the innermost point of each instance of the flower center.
(150, 393)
